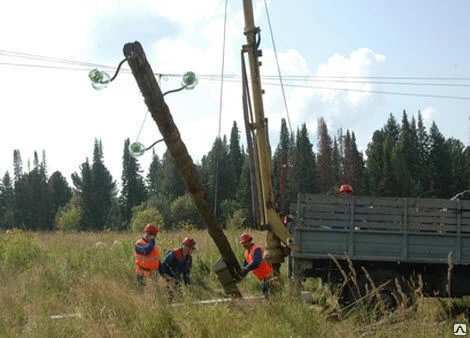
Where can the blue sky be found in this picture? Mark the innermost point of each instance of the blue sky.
(57, 110)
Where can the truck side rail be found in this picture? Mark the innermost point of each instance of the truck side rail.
(383, 229)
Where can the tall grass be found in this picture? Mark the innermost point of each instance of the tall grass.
(83, 285)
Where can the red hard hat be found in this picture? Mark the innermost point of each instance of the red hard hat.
(245, 237)
(151, 229)
(190, 242)
(346, 188)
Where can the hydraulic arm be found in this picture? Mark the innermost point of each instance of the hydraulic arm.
(259, 149)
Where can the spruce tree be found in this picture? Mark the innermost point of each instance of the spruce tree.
(7, 200)
(375, 162)
(133, 191)
(235, 160)
(154, 176)
(60, 192)
(104, 189)
(172, 184)
(97, 192)
(423, 152)
(83, 185)
(403, 160)
(305, 166)
(439, 164)
(282, 166)
(325, 158)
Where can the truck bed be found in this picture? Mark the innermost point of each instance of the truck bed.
(382, 229)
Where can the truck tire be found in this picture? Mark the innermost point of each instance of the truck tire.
(385, 282)
(362, 291)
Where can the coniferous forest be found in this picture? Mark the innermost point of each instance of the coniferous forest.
(403, 159)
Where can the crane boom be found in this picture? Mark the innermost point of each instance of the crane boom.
(259, 148)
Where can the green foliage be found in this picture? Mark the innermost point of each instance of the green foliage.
(184, 211)
(133, 191)
(236, 220)
(96, 189)
(69, 218)
(143, 215)
(19, 250)
(227, 208)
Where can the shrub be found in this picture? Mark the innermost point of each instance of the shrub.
(19, 250)
(236, 220)
(183, 211)
(143, 215)
(69, 218)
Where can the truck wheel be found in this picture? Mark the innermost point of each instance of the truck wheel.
(384, 280)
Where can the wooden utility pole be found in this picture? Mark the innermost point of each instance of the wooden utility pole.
(228, 270)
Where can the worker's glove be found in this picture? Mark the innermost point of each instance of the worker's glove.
(244, 271)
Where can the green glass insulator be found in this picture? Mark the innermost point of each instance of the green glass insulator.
(189, 80)
(136, 149)
(99, 79)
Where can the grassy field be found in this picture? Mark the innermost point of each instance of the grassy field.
(83, 285)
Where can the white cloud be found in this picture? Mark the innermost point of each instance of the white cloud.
(348, 73)
(427, 115)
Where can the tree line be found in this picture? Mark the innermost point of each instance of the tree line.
(402, 159)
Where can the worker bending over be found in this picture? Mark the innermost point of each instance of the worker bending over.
(177, 265)
(254, 261)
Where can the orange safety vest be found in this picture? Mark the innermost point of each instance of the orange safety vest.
(264, 269)
(145, 264)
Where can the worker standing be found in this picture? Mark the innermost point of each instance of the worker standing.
(254, 261)
(147, 254)
(176, 267)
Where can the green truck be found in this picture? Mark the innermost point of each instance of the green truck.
(394, 244)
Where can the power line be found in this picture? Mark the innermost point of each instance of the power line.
(289, 81)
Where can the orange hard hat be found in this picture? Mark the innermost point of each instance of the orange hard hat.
(245, 237)
(346, 188)
(151, 229)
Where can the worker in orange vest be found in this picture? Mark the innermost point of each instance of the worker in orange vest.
(147, 254)
(254, 261)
